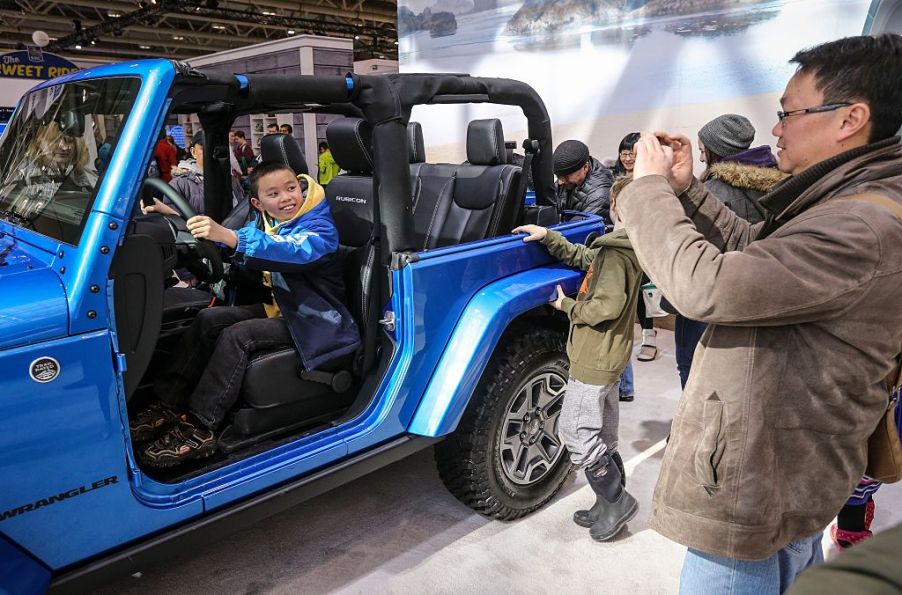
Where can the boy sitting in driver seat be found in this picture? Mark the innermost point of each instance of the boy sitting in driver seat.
(292, 239)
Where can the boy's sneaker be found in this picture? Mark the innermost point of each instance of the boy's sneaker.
(185, 442)
(846, 539)
(151, 423)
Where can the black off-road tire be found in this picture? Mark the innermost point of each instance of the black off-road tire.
(469, 461)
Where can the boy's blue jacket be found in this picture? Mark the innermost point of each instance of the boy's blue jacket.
(307, 282)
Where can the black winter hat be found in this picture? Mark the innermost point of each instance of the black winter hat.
(569, 156)
(198, 138)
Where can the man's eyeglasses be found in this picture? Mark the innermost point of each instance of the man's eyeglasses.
(812, 110)
(627, 154)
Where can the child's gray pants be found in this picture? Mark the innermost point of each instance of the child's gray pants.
(589, 420)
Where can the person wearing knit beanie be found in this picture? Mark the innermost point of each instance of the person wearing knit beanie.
(727, 135)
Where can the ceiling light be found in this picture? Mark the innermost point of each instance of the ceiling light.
(144, 47)
(269, 13)
(77, 46)
(114, 14)
(218, 26)
(396, 43)
(356, 37)
(178, 38)
(93, 42)
(290, 31)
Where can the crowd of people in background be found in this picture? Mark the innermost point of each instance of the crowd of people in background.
(182, 166)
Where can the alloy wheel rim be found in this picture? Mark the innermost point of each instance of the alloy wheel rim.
(528, 444)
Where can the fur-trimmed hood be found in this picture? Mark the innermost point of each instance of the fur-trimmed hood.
(748, 177)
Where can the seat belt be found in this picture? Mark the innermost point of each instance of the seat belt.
(530, 148)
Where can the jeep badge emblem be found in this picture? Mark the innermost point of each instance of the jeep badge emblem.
(44, 369)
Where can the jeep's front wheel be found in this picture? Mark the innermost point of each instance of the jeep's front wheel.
(505, 459)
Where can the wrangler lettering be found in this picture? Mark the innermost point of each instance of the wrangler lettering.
(42, 502)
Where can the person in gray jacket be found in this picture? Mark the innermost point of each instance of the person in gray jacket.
(583, 183)
(736, 174)
(188, 177)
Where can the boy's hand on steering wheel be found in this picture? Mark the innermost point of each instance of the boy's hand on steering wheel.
(204, 228)
(159, 207)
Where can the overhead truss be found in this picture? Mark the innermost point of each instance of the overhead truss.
(186, 28)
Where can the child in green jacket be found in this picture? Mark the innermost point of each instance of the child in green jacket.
(599, 346)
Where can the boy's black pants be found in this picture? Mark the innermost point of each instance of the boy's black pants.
(211, 359)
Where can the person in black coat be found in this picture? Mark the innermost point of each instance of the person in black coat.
(583, 183)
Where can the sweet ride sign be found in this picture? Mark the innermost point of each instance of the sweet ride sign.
(34, 65)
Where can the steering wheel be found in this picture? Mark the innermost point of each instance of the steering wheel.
(205, 259)
(180, 203)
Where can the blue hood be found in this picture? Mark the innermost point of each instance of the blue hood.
(33, 303)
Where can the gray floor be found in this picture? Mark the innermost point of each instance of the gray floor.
(399, 531)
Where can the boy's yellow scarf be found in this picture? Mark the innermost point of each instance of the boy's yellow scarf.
(315, 195)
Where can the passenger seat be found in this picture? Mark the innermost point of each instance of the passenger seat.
(350, 196)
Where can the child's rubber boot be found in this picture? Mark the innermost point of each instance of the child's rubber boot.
(614, 506)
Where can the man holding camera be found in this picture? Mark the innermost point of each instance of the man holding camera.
(770, 435)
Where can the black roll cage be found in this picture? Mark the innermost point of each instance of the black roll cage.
(385, 101)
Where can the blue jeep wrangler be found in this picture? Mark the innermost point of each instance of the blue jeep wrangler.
(459, 346)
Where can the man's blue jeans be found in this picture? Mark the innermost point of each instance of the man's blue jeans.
(627, 387)
(687, 334)
(715, 575)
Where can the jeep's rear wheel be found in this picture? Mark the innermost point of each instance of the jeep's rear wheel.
(505, 459)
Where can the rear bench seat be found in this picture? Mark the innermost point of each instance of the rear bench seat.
(453, 204)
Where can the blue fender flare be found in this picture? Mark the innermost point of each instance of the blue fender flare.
(471, 346)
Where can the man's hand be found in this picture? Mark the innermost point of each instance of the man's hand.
(659, 153)
(556, 303)
(204, 228)
(159, 207)
(533, 232)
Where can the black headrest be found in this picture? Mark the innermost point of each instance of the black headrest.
(351, 141)
(283, 147)
(485, 142)
(416, 146)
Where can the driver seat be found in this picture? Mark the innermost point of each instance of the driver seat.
(277, 396)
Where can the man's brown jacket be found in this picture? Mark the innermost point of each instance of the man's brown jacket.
(770, 435)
